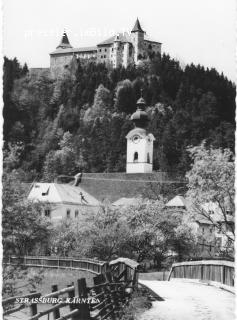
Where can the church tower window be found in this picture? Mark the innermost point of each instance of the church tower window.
(135, 157)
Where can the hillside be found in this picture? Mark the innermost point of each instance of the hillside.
(78, 123)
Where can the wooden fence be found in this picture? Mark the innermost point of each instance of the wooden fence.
(218, 271)
(105, 299)
(94, 266)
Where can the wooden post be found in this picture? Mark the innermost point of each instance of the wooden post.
(56, 313)
(84, 306)
(33, 307)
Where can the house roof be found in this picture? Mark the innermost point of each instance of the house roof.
(177, 201)
(61, 193)
(125, 202)
(74, 50)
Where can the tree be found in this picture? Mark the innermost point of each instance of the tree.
(211, 184)
(125, 98)
(102, 104)
(24, 230)
(62, 161)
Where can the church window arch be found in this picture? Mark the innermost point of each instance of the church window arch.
(135, 156)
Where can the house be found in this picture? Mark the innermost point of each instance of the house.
(63, 201)
(213, 231)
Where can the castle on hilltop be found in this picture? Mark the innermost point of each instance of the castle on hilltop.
(122, 49)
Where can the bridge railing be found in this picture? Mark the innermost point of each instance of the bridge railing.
(218, 271)
(94, 266)
(106, 299)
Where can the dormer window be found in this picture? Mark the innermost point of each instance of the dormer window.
(45, 190)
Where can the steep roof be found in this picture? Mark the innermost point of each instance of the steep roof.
(177, 201)
(117, 185)
(61, 193)
(64, 42)
(137, 27)
(74, 50)
(122, 37)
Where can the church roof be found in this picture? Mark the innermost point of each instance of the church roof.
(137, 27)
(64, 42)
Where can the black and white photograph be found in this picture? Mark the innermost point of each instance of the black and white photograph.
(118, 159)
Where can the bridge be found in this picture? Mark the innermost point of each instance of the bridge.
(202, 290)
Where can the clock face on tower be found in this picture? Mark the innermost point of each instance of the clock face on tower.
(136, 139)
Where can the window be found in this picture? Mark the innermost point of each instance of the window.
(68, 213)
(148, 158)
(100, 50)
(76, 213)
(101, 57)
(47, 213)
(105, 49)
(104, 56)
(135, 157)
(112, 49)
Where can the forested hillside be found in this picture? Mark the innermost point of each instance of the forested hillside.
(79, 122)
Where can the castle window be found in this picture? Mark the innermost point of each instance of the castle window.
(135, 157)
(148, 158)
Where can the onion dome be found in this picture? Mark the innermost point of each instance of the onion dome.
(140, 117)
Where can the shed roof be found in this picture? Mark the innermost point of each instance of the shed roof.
(177, 201)
(129, 262)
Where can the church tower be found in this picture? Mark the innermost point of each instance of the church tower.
(139, 142)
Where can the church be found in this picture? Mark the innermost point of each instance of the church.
(122, 49)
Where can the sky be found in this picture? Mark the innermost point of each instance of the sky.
(191, 31)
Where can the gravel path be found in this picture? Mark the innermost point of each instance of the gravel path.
(189, 301)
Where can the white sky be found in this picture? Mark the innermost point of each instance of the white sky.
(198, 31)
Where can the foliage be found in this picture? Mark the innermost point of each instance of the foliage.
(16, 280)
(94, 104)
(211, 183)
(143, 231)
(23, 228)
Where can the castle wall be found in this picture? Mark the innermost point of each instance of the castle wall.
(59, 62)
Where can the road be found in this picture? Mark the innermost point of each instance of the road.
(189, 301)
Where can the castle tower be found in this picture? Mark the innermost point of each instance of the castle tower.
(64, 44)
(139, 142)
(138, 40)
(116, 46)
